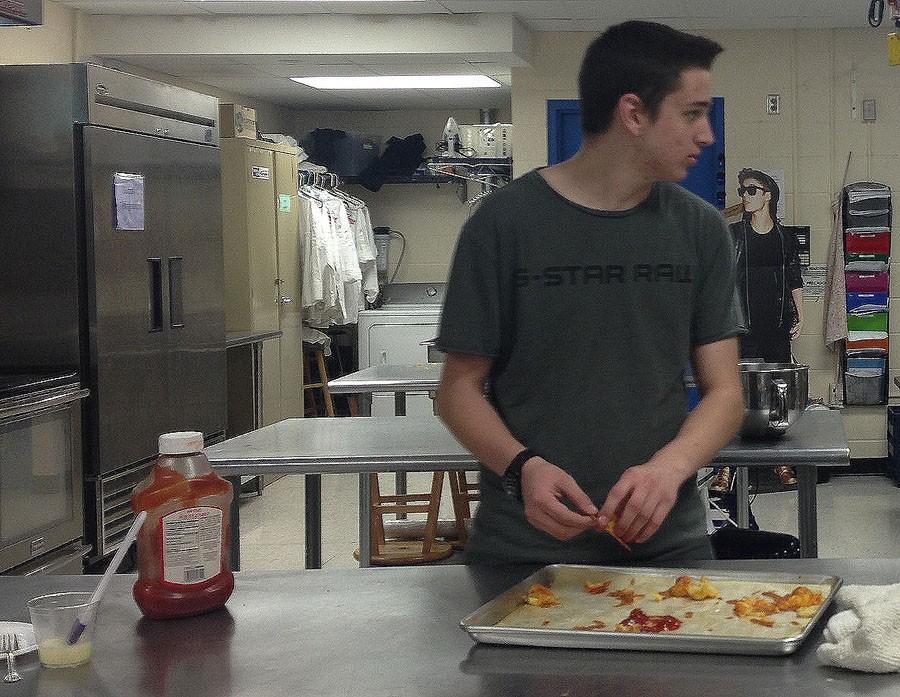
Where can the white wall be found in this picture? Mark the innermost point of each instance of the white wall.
(810, 140)
(52, 42)
(429, 216)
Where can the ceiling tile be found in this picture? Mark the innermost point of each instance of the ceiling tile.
(407, 58)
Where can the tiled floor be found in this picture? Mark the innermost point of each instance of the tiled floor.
(858, 517)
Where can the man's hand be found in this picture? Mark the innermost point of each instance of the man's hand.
(544, 488)
(795, 330)
(641, 500)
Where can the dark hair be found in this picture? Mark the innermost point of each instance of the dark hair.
(768, 182)
(644, 58)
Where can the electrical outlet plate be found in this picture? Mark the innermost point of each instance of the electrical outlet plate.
(868, 110)
(773, 103)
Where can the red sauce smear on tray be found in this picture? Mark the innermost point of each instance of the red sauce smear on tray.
(637, 621)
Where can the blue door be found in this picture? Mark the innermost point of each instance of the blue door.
(706, 178)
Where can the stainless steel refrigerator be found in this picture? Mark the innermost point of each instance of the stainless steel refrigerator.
(111, 261)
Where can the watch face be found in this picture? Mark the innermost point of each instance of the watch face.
(512, 486)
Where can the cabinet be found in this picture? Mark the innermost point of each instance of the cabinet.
(262, 270)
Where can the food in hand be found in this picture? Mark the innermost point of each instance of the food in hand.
(611, 529)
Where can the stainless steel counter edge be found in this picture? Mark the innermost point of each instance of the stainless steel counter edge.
(233, 339)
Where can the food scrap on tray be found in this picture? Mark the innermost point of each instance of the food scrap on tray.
(626, 596)
(689, 587)
(803, 601)
(597, 588)
(638, 621)
(595, 626)
(541, 596)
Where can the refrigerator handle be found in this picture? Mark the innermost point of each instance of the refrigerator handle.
(176, 304)
(154, 268)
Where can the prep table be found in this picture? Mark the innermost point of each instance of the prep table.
(363, 445)
(399, 379)
(381, 632)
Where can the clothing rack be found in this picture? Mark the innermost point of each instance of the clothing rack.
(321, 180)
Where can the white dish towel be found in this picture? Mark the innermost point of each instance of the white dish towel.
(865, 635)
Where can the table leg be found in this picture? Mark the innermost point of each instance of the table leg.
(256, 403)
(742, 496)
(256, 369)
(807, 522)
(365, 521)
(400, 477)
(313, 504)
(235, 523)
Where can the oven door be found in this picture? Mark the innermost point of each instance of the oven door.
(41, 506)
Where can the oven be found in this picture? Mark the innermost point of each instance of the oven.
(41, 490)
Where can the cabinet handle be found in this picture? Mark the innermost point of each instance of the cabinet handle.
(285, 300)
(176, 304)
(154, 271)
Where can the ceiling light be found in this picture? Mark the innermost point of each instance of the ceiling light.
(398, 82)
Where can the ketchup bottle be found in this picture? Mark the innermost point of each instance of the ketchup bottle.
(183, 561)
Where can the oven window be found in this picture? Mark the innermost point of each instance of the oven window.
(35, 474)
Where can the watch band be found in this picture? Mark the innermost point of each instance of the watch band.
(512, 476)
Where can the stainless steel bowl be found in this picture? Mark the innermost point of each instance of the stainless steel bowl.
(775, 395)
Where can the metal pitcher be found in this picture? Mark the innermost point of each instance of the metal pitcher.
(775, 395)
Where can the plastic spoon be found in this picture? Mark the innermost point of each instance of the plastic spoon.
(86, 615)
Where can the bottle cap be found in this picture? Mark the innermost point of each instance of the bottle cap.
(180, 443)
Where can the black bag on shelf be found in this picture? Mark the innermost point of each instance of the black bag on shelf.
(400, 158)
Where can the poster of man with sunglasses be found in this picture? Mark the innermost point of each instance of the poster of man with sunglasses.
(769, 283)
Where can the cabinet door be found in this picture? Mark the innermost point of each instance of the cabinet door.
(262, 238)
(287, 222)
(127, 300)
(195, 285)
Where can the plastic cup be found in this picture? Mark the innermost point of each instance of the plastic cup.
(52, 617)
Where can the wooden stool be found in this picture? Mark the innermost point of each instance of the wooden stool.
(322, 384)
(463, 493)
(401, 552)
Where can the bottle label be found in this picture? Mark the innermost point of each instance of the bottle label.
(191, 545)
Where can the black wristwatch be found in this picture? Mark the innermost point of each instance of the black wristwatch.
(512, 477)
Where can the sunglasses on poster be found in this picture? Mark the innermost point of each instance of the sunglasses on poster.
(752, 190)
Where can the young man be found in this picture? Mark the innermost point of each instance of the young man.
(580, 292)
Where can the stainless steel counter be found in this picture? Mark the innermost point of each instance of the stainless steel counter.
(386, 444)
(389, 378)
(233, 339)
(395, 632)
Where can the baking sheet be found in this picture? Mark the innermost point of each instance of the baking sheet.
(712, 628)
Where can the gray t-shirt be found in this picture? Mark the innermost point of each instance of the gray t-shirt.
(590, 317)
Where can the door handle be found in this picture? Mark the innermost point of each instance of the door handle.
(154, 271)
(176, 302)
